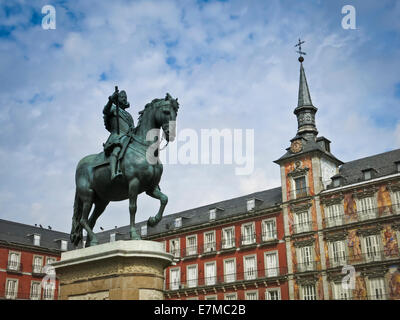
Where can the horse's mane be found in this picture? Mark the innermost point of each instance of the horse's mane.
(155, 103)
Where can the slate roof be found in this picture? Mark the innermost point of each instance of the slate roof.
(200, 216)
(22, 234)
(384, 164)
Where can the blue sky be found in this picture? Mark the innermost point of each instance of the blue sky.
(232, 64)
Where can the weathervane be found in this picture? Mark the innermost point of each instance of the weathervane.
(301, 53)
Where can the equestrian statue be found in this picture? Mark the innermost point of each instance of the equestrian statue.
(128, 166)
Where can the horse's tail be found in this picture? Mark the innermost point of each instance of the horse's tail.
(77, 232)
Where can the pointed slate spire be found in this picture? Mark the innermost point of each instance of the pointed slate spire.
(305, 111)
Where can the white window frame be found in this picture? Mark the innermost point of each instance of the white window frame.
(176, 251)
(230, 294)
(49, 290)
(305, 264)
(191, 249)
(306, 295)
(17, 262)
(228, 243)
(210, 280)
(251, 204)
(14, 294)
(143, 230)
(294, 190)
(248, 238)
(36, 240)
(374, 252)
(395, 197)
(250, 273)
(64, 245)
(209, 246)
(334, 214)
(340, 293)
(302, 224)
(37, 268)
(267, 234)
(192, 282)
(231, 277)
(212, 214)
(211, 297)
(175, 285)
(268, 293)
(251, 292)
(365, 213)
(39, 294)
(178, 222)
(375, 284)
(275, 271)
(341, 258)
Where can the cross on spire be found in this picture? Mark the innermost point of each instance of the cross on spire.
(301, 53)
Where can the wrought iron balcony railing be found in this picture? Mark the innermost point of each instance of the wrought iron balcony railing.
(13, 266)
(248, 275)
(307, 266)
(299, 193)
(306, 226)
(368, 257)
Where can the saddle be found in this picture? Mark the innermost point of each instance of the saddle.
(101, 158)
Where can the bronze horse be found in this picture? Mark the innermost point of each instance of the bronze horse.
(140, 173)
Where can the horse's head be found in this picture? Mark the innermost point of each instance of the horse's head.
(165, 116)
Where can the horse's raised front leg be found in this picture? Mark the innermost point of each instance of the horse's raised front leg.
(133, 193)
(156, 193)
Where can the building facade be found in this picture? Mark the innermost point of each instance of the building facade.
(25, 253)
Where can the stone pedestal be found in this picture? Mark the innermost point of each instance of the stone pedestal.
(120, 270)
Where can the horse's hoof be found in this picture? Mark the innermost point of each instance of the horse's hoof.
(153, 221)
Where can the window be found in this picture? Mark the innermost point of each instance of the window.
(305, 259)
(175, 278)
(271, 264)
(228, 238)
(36, 240)
(13, 261)
(11, 288)
(340, 293)
(143, 230)
(268, 230)
(397, 163)
(192, 276)
(250, 268)
(35, 290)
(372, 252)
(309, 292)
(396, 200)
(367, 174)
(209, 241)
(231, 296)
(273, 294)
(302, 222)
(337, 253)
(377, 289)
(178, 222)
(248, 234)
(300, 187)
(336, 182)
(213, 297)
(49, 269)
(210, 271)
(37, 264)
(64, 245)
(334, 215)
(213, 213)
(251, 203)
(174, 247)
(191, 245)
(367, 208)
(229, 270)
(112, 237)
(251, 295)
(48, 291)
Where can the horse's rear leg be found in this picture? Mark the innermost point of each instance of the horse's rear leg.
(87, 200)
(133, 193)
(156, 193)
(99, 207)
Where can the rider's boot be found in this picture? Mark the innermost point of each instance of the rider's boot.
(113, 164)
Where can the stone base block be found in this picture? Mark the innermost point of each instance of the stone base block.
(120, 270)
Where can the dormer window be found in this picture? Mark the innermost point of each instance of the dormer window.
(112, 237)
(397, 163)
(36, 239)
(143, 230)
(251, 203)
(336, 182)
(367, 174)
(213, 214)
(64, 245)
(178, 222)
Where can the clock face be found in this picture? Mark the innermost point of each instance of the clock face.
(296, 146)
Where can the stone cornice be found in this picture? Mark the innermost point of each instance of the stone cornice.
(306, 279)
(298, 172)
(300, 207)
(370, 231)
(331, 201)
(341, 235)
(366, 192)
(393, 186)
(304, 243)
(377, 272)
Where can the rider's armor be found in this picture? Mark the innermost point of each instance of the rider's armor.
(114, 143)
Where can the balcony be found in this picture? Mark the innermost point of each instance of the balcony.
(360, 216)
(228, 244)
(270, 274)
(14, 267)
(190, 252)
(369, 257)
(209, 248)
(302, 227)
(307, 266)
(299, 193)
(248, 240)
(269, 236)
(38, 270)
